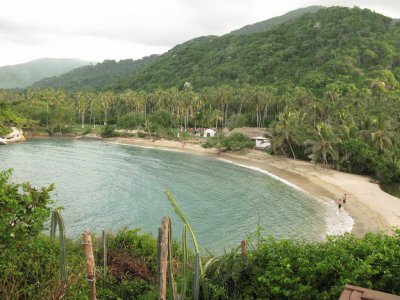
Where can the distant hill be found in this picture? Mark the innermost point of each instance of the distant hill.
(271, 23)
(22, 75)
(102, 76)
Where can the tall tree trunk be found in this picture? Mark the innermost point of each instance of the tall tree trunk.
(83, 119)
(291, 149)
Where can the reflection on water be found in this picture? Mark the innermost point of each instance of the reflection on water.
(107, 185)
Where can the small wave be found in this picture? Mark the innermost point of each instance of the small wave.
(337, 222)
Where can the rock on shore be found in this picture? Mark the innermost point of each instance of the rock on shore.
(15, 136)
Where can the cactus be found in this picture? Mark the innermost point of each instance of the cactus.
(196, 277)
(185, 221)
(174, 295)
(57, 219)
(184, 261)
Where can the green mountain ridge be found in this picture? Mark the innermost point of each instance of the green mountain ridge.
(342, 46)
(23, 75)
(102, 76)
(271, 23)
(335, 48)
(118, 75)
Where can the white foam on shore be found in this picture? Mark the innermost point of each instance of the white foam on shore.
(337, 222)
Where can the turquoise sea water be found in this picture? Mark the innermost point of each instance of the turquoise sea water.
(104, 185)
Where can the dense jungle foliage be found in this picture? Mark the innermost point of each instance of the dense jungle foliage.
(272, 269)
(271, 23)
(357, 132)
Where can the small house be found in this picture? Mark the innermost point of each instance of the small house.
(209, 132)
(262, 142)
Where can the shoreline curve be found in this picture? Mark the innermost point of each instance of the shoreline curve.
(371, 208)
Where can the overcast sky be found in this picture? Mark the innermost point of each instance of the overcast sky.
(96, 29)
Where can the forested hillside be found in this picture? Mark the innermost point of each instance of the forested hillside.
(334, 48)
(101, 76)
(271, 23)
(337, 46)
(22, 75)
(118, 75)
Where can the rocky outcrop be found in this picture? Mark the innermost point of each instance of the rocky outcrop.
(15, 136)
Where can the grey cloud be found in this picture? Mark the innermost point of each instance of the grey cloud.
(20, 33)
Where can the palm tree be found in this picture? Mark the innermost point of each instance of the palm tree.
(106, 101)
(217, 115)
(82, 101)
(322, 146)
(382, 134)
(287, 131)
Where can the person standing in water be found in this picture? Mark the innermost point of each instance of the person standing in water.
(344, 199)
(340, 203)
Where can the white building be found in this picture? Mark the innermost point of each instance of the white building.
(262, 142)
(209, 132)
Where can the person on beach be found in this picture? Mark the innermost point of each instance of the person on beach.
(340, 203)
(344, 199)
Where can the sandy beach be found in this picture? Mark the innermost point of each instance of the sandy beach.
(371, 208)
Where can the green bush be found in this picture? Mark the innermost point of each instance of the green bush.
(163, 119)
(141, 244)
(31, 270)
(236, 121)
(87, 130)
(235, 141)
(299, 270)
(66, 129)
(141, 134)
(4, 130)
(131, 121)
(23, 210)
(108, 131)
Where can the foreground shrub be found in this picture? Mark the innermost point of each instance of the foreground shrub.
(299, 270)
(23, 210)
(31, 270)
(274, 269)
